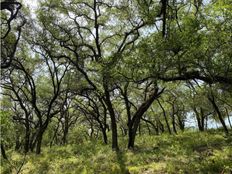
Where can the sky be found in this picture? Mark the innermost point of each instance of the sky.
(32, 4)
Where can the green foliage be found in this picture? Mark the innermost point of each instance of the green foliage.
(5, 123)
(105, 46)
(189, 152)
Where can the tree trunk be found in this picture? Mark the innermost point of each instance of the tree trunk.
(134, 123)
(131, 136)
(199, 122)
(33, 142)
(174, 124)
(27, 139)
(157, 128)
(202, 119)
(104, 135)
(38, 143)
(132, 132)
(113, 119)
(161, 126)
(104, 125)
(105, 139)
(173, 118)
(165, 117)
(148, 128)
(65, 127)
(139, 129)
(65, 134)
(228, 116)
(39, 137)
(181, 122)
(212, 100)
(55, 134)
(3, 152)
(113, 128)
(92, 132)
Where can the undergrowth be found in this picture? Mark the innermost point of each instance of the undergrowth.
(187, 153)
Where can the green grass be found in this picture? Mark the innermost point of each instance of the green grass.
(189, 152)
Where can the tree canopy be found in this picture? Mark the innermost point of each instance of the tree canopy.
(97, 68)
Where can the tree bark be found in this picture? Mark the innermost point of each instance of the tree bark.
(38, 144)
(134, 123)
(199, 121)
(104, 135)
(202, 119)
(161, 126)
(105, 139)
(27, 139)
(65, 134)
(3, 152)
(33, 142)
(174, 124)
(181, 122)
(165, 117)
(173, 119)
(113, 119)
(228, 116)
(216, 108)
(55, 134)
(39, 136)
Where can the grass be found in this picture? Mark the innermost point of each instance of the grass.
(187, 153)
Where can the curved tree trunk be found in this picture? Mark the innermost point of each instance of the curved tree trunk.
(104, 135)
(134, 123)
(216, 108)
(165, 117)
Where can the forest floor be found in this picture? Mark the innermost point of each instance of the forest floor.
(190, 152)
